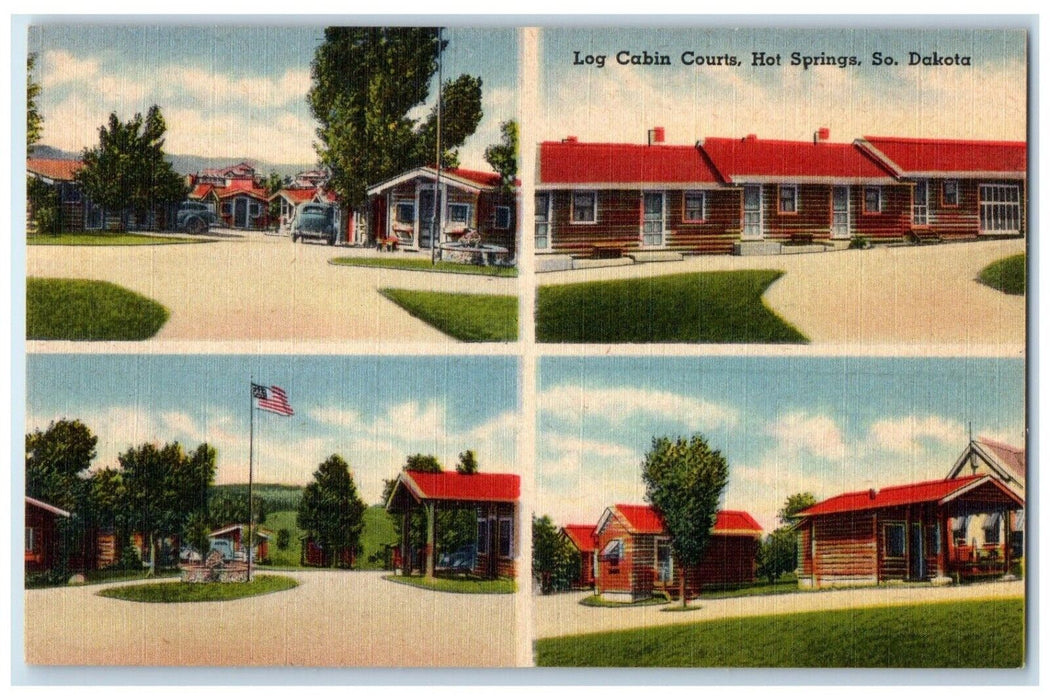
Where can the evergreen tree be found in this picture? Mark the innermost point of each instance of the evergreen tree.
(330, 511)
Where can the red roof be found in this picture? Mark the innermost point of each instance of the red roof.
(645, 520)
(477, 176)
(453, 486)
(53, 168)
(922, 492)
(201, 190)
(754, 159)
(582, 536)
(575, 163)
(237, 187)
(916, 156)
(1013, 458)
(298, 195)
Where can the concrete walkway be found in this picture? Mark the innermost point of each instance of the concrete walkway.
(560, 615)
(908, 295)
(254, 287)
(334, 618)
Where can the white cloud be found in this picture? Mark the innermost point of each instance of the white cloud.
(908, 434)
(818, 435)
(573, 404)
(337, 417)
(62, 67)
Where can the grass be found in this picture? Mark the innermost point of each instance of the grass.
(422, 265)
(787, 583)
(284, 557)
(71, 309)
(701, 307)
(179, 592)
(596, 601)
(970, 634)
(1006, 275)
(105, 238)
(378, 532)
(467, 317)
(457, 585)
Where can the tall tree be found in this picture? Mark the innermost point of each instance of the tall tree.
(683, 482)
(57, 460)
(460, 115)
(34, 120)
(330, 511)
(468, 462)
(366, 80)
(127, 171)
(503, 156)
(793, 505)
(553, 559)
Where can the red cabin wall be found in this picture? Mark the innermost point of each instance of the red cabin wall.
(812, 220)
(45, 547)
(716, 233)
(729, 560)
(963, 220)
(621, 576)
(892, 223)
(845, 547)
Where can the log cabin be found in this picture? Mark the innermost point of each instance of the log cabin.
(581, 539)
(635, 559)
(1007, 464)
(42, 546)
(905, 533)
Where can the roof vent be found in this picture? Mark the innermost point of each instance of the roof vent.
(656, 135)
(822, 134)
(570, 139)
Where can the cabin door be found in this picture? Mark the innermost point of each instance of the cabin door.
(840, 211)
(240, 212)
(426, 217)
(752, 224)
(652, 219)
(916, 553)
(920, 210)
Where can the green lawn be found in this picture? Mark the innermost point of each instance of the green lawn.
(1006, 275)
(457, 585)
(179, 592)
(700, 307)
(971, 634)
(106, 238)
(283, 557)
(70, 309)
(422, 265)
(596, 601)
(379, 531)
(469, 317)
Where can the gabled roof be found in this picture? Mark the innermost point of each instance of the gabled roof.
(48, 507)
(574, 164)
(201, 190)
(453, 486)
(752, 159)
(295, 195)
(940, 491)
(472, 180)
(582, 536)
(238, 528)
(241, 187)
(644, 520)
(1005, 461)
(947, 157)
(55, 169)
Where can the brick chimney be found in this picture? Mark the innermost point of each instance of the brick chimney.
(821, 135)
(656, 135)
(570, 139)
(751, 137)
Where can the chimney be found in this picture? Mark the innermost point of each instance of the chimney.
(871, 494)
(751, 137)
(822, 134)
(656, 135)
(570, 139)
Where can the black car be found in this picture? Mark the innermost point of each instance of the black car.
(194, 217)
(314, 220)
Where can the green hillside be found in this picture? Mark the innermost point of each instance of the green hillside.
(379, 531)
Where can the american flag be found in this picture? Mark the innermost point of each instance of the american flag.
(273, 399)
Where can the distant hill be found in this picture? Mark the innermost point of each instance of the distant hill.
(186, 165)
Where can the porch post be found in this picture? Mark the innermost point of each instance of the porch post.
(406, 561)
(944, 533)
(429, 552)
(1006, 540)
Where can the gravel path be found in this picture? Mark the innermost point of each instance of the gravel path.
(559, 615)
(261, 288)
(332, 619)
(911, 295)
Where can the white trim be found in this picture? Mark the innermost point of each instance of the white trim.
(758, 235)
(546, 221)
(662, 233)
(1015, 204)
(685, 208)
(848, 233)
(629, 186)
(572, 208)
(794, 199)
(427, 173)
(48, 507)
(980, 482)
(793, 179)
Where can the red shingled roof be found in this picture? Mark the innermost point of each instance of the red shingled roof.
(201, 190)
(575, 163)
(1013, 458)
(582, 536)
(753, 159)
(922, 492)
(452, 486)
(477, 176)
(646, 521)
(241, 187)
(297, 195)
(53, 168)
(917, 156)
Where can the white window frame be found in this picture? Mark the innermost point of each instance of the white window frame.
(783, 190)
(920, 213)
(760, 223)
(1002, 205)
(594, 207)
(662, 233)
(685, 206)
(411, 205)
(666, 542)
(464, 218)
(502, 218)
(544, 221)
(953, 201)
(877, 189)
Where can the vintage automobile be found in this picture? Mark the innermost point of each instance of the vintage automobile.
(314, 220)
(195, 217)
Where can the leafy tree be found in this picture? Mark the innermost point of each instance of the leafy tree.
(57, 460)
(274, 183)
(330, 511)
(468, 463)
(284, 538)
(164, 488)
(423, 463)
(34, 120)
(554, 560)
(503, 156)
(777, 554)
(44, 206)
(365, 82)
(197, 531)
(795, 503)
(127, 171)
(683, 482)
(460, 115)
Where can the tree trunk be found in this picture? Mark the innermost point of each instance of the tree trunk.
(681, 586)
(152, 555)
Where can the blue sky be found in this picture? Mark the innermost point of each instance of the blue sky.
(825, 425)
(372, 410)
(229, 91)
(619, 103)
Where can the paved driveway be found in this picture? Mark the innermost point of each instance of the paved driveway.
(911, 295)
(332, 619)
(559, 615)
(254, 287)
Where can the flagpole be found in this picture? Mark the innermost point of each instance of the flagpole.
(251, 452)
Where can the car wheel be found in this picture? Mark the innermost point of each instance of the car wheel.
(331, 240)
(198, 226)
(294, 238)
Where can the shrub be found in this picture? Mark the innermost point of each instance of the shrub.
(284, 538)
(43, 203)
(859, 243)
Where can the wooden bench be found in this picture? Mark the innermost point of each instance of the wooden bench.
(607, 250)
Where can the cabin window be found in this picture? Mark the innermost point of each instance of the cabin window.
(788, 199)
(30, 539)
(506, 538)
(992, 528)
(458, 213)
(405, 213)
(612, 552)
(256, 208)
(70, 194)
(872, 200)
(542, 220)
(950, 190)
(502, 218)
(695, 207)
(227, 208)
(893, 539)
(664, 562)
(584, 208)
(933, 539)
(483, 536)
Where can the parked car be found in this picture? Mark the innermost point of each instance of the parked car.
(463, 559)
(314, 220)
(195, 217)
(224, 547)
